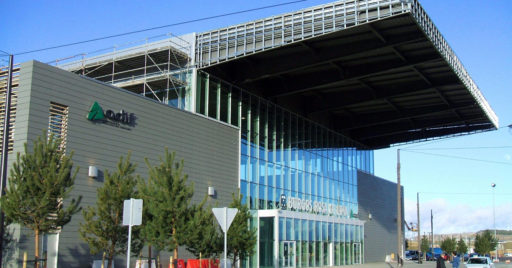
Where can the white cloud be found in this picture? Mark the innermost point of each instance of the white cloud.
(454, 219)
(507, 157)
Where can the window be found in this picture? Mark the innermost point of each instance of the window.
(58, 123)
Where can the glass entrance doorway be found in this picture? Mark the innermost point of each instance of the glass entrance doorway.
(267, 242)
(356, 253)
(287, 253)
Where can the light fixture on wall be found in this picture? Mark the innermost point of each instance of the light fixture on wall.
(211, 191)
(370, 216)
(93, 171)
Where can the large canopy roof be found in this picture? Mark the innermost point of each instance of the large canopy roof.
(388, 80)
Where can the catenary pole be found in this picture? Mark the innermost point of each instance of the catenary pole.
(398, 211)
(419, 236)
(432, 232)
(5, 145)
(493, 185)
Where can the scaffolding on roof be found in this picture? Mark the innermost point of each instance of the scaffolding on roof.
(155, 69)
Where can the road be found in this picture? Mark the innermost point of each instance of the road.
(409, 264)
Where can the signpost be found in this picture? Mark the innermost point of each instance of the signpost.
(225, 217)
(132, 215)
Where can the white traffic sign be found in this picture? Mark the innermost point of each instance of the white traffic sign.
(132, 215)
(225, 217)
(132, 212)
(220, 215)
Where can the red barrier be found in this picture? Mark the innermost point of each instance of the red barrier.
(180, 263)
(191, 263)
(205, 263)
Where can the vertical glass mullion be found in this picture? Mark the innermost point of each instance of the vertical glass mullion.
(229, 103)
(207, 95)
(272, 155)
(264, 150)
(239, 112)
(217, 108)
(281, 146)
(199, 91)
(295, 150)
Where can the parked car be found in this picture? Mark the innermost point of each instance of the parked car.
(411, 255)
(480, 262)
(437, 254)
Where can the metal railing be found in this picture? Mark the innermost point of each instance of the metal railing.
(178, 45)
(243, 39)
(239, 40)
(431, 31)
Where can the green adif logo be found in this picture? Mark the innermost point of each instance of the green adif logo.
(96, 114)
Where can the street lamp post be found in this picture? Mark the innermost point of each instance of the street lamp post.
(493, 185)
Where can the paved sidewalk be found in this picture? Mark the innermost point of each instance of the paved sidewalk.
(393, 265)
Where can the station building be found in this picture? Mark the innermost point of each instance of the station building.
(285, 110)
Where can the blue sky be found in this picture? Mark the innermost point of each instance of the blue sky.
(457, 189)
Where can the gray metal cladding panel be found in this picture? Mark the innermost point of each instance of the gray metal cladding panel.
(210, 149)
(378, 198)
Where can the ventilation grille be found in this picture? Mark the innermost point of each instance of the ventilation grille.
(4, 77)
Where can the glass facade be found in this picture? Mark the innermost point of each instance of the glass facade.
(288, 159)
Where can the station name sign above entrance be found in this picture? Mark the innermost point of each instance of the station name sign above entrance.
(120, 119)
(317, 207)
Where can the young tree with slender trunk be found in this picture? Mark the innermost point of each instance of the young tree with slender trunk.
(167, 198)
(449, 245)
(39, 183)
(425, 245)
(102, 228)
(462, 248)
(241, 238)
(204, 237)
(485, 243)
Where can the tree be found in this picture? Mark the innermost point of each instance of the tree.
(425, 244)
(449, 245)
(462, 248)
(167, 197)
(485, 243)
(204, 236)
(241, 238)
(39, 184)
(102, 227)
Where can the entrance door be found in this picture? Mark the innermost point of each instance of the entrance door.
(288, 253)
(266, 242)
(356, 253)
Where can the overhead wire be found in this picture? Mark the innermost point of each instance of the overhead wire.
(459, 193)
(460, 148)
(459, 157)
(160, 27)
(414, 145)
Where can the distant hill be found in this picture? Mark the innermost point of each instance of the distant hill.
(498, 232)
